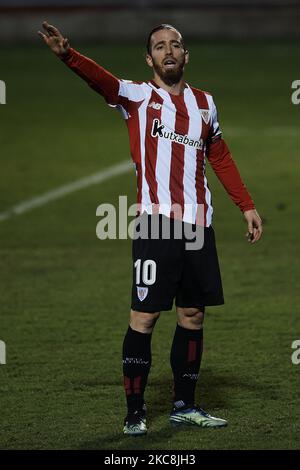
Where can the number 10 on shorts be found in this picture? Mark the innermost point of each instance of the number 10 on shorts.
(148, 271)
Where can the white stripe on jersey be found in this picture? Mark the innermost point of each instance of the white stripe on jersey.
(217, 131)
(146, 204)
(190, 157)
(213, 115)
(164, 156)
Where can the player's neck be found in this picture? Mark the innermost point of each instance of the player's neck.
(175, 89)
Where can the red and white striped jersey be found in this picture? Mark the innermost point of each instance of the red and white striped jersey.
(170, 137)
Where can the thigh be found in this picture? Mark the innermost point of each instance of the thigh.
(201, 282)
(157, 270)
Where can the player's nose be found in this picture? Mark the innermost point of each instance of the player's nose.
(168, 49)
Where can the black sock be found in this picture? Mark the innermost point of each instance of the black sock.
(185, 359)
(136, 366)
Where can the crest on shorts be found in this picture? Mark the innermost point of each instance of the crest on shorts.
(205, 114)
(142, 292)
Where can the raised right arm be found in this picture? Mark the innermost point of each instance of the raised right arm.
(96, 76)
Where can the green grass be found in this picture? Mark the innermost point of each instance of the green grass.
(65, 295)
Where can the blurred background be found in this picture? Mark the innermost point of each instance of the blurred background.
(65, 295)
(115, 19)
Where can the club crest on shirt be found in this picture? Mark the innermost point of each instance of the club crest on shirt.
(205, 114)
(142, 292)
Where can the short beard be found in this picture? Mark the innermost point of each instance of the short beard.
(170, 77)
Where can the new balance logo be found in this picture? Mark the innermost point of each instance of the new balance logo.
(191, 376)
(154, 105)
(158, 131)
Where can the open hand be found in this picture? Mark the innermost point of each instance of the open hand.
(55, 40)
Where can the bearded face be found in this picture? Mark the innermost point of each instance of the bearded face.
(168, 56)
(170, 70)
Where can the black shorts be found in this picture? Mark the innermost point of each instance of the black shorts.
(164, 270)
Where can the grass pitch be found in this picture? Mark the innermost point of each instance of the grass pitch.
(65, 295)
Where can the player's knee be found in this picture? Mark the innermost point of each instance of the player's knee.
(142, 321)
(191, 318)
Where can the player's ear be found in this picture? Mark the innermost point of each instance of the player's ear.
(187, 56)
(149, 60)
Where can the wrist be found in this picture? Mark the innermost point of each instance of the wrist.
(248, 208)
(65, 55)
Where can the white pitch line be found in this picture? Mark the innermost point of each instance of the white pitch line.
(126, 166)
(69, 188)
